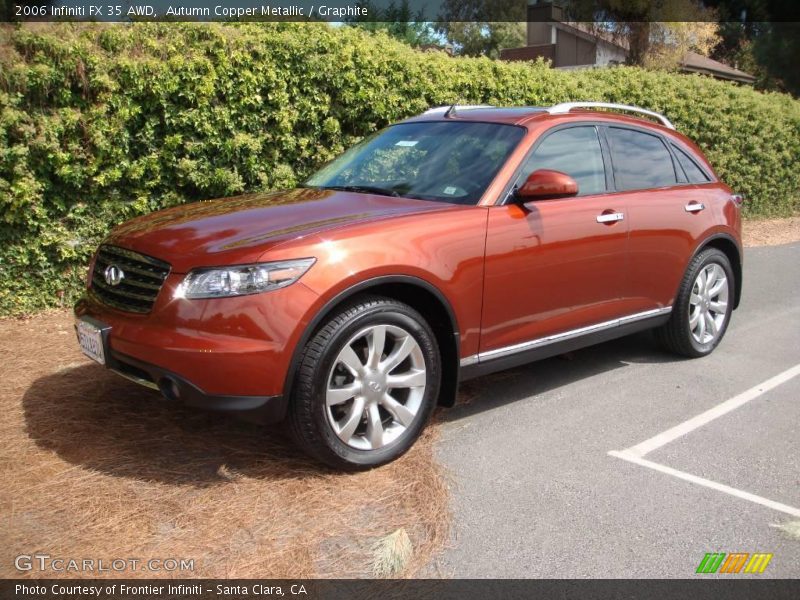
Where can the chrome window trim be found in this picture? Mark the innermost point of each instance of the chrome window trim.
(560, 337)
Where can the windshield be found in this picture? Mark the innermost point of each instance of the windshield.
(442, 161)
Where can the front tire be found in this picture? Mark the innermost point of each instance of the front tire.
(366, 385)
(703, 307)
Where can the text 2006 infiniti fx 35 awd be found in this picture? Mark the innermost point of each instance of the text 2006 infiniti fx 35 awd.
(459, 242)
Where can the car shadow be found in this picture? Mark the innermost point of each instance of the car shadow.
(484, 393)
(94, 418)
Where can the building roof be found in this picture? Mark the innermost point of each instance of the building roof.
(697, 63)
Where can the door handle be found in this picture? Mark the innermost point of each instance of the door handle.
(610, 217)
(694, 207)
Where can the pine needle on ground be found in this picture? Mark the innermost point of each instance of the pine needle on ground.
(92, 465)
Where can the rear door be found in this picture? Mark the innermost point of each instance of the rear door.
(667, 213)
(554, 266)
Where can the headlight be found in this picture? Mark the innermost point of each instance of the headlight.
(242, 280)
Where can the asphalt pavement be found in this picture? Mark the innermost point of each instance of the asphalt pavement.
(537, 494)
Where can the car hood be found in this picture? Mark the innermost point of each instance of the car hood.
(240, 229)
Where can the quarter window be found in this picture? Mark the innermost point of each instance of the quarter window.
(574, 151)
(641, 160)
(694, 173)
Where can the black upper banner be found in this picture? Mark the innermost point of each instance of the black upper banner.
(435, 11)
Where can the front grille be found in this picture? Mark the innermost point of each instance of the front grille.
(137, 290)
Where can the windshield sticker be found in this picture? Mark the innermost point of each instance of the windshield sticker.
(407, 143)
(450, 190)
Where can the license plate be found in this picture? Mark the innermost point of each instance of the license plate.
(90, 339)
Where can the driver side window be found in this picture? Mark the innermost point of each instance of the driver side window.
(574, 151)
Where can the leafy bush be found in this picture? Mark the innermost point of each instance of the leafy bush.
(100, 123)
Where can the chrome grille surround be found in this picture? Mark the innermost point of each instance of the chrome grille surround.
(137, 292)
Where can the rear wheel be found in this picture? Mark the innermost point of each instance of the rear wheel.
(366, 385)
(702, 310)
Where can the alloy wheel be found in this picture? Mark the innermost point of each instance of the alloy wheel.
(708, 303)
(375, 387)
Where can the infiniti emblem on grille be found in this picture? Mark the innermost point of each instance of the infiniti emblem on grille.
(114, 275)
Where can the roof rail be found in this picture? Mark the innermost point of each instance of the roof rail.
(565, 107)
(450, 110)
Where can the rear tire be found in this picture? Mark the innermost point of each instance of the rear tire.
(366, 385)
(703, 307)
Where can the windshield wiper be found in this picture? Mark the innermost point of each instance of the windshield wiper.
(364, 189)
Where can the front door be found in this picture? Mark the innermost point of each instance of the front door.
(555, 266)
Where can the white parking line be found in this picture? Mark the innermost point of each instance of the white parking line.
(720, 487)
(674, 433)
(636, 453)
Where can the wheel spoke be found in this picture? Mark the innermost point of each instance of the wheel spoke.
(338, 395)
(351, 421)
(711, 325)
(717, 271)
(695, 316)
(694, 299)
(719, 307)
(398, 355)
(374, 426)
(702, 281)
(409, 379)
(701, 328)
(399, 412)
(719, 286)
(376, 342)
(711, 276)
(350, 359)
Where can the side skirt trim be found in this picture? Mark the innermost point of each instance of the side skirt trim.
(561, 337)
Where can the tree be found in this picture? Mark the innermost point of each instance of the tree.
(657, 34)
(776, 49)
(763, 38)
(483, 38)
(669, 43)
(399, 21)
(483, 27)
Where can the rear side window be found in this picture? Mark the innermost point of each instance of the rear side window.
(574, 151)
(693, 173)
(641, 160)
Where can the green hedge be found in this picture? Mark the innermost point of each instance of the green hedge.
(102, 123)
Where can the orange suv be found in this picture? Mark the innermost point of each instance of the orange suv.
(462, 241)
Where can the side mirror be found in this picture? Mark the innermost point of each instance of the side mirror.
(545, 184)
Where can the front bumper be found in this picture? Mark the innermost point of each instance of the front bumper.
(265, 409)
(230, 354)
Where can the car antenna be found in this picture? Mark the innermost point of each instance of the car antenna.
(451, 112)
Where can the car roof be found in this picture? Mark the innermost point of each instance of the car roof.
(521, 115)
(564, 112)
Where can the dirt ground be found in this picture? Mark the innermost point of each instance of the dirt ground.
(771, 232)
(93, 466)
